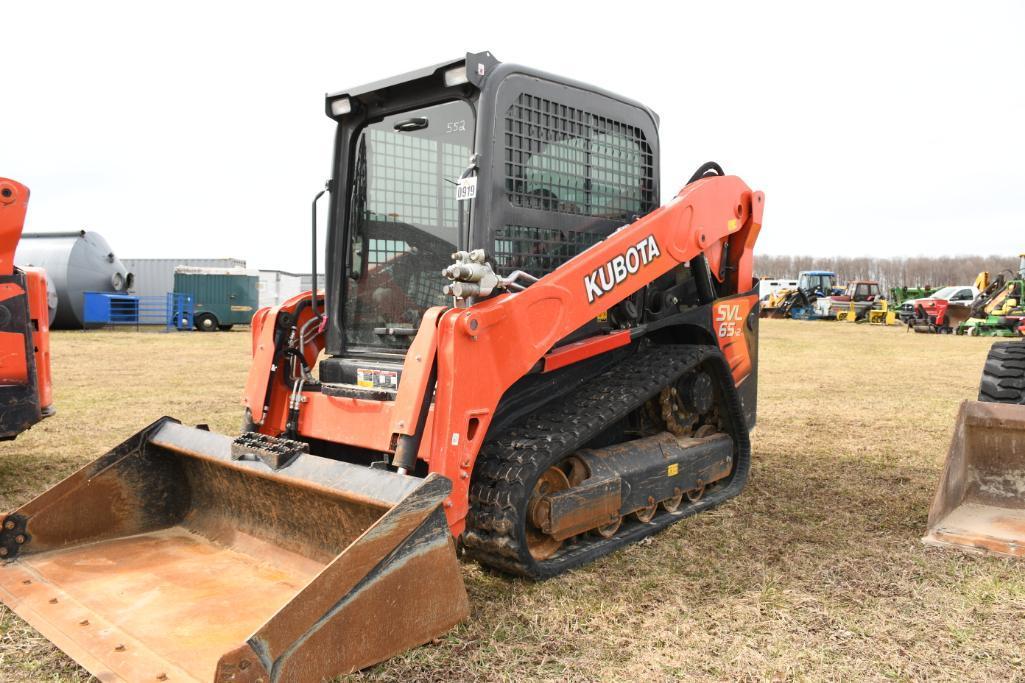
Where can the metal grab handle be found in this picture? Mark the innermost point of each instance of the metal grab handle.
(313, 295)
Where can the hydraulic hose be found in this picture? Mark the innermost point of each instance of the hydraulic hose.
(709, 168)
(699, 265)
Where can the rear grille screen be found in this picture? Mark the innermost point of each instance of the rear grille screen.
(564, 159)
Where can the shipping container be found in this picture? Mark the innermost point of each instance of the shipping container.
(155, 276)
(222, 297)
(307, 281)
(277, 286)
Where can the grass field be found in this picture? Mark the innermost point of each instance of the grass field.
(815, 572)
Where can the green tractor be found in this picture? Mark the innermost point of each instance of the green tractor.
(899, 296)
(999, 311)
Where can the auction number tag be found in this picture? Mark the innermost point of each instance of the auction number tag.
(466, 189)
(728, 321)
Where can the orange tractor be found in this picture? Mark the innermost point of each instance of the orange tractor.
(517, 351)
(25, 390)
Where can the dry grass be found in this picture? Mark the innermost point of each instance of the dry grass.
(107, 386)
(815, 572)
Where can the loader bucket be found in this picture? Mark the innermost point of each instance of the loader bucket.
(168, 559)
(980, 503)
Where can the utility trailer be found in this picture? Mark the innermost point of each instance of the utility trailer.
(222, 297)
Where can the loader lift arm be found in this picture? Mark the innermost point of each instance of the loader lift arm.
(482, 350)
(521, 328)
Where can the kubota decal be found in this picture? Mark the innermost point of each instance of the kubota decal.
(604, 279)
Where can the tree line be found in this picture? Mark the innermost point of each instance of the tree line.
(914, 271)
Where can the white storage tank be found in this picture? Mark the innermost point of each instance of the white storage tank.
(75, 262)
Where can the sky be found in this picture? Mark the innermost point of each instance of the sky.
(193, 129)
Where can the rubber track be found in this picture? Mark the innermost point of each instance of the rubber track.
(1003, 375)
(511, 461)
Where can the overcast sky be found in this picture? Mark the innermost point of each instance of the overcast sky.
(197, 129)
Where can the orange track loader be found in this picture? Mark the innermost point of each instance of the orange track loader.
(586, 377)
(25, 390)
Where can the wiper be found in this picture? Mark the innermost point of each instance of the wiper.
(395, 331)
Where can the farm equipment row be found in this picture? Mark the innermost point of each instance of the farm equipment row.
(996, 308)
(991, 307)
(817, 297)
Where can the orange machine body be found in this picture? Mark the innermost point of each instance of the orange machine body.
(481, 350)
(26, 394)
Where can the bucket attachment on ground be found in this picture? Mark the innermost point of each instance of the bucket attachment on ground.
(980, 503)
(179, 557)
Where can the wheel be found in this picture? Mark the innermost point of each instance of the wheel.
(541, 545)
(1003, 375)
(673, 504)
(646, 514)
(206, 322)
(225, 328)
(609, 530)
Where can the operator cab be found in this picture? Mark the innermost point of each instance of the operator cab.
(817, 282)
(862, 290)
(471, 154)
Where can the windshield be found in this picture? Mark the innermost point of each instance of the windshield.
(862, 290)
(816, 283)
(404, 220)
(945, 293)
